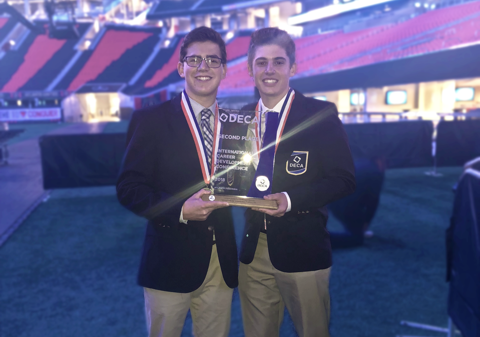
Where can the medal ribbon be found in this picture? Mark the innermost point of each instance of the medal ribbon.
(274, 126)
(208, 172)
(287, 105)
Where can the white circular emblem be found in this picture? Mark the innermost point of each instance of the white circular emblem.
(262, 183)
(211, 198)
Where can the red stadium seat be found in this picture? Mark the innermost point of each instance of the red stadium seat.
(110, 48)
(41, 50)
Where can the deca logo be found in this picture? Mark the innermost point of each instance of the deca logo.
(236, 118)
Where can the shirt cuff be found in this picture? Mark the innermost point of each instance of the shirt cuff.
(186, 221)
(289, 203)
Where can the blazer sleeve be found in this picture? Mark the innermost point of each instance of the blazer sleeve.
(135, 184)
(337, 172)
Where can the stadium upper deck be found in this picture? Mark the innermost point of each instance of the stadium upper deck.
(140, 60)
(35, 60)
(332, 51)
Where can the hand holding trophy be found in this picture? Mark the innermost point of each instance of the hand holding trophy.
(236, 180)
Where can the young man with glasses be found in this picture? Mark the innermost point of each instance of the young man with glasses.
(189, 258)
(304, 156)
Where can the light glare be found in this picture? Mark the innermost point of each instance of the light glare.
(247, 158)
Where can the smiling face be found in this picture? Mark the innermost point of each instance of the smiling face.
(201, 83)
(271, 71)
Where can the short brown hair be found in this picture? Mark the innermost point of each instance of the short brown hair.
(202, 34)
(269, 36)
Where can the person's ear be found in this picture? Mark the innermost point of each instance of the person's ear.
(293, 69)
(180, 69)
(250, 71)
(224, 70)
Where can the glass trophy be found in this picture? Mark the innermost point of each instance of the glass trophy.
(234, 165)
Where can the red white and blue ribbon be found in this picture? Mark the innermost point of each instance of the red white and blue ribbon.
(208, 171)
(284, 112)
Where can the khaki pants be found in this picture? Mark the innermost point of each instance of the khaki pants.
(210, 306)
(264, 292)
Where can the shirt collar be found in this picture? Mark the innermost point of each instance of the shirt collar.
(197, 107)
(276, 108)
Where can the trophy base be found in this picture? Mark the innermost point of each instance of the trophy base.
(235, 200)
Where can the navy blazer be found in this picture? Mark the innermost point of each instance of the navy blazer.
(299, 240)
(160, 171)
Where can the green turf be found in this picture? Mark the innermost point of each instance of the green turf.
(32, 130)
(116, 127)
(70, 269)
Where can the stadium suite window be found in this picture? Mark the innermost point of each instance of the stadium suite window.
(464, 94)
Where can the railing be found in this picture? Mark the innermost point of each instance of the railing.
(460, 115)
(367, 116)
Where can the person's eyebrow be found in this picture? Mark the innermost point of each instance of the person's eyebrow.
(214, 56)
(275, 58)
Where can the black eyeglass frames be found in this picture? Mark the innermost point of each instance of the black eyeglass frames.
(195, 61)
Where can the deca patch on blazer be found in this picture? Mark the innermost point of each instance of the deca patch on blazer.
(297, 163)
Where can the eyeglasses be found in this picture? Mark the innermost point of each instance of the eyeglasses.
(195, 61)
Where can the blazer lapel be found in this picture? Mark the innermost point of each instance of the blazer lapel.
(185, 139)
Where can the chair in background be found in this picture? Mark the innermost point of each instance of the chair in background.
(357, 210)
(463, 258)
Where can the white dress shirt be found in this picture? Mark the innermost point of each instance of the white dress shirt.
(251, 135)
(197, 110)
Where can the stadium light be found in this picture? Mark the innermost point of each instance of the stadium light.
(418, 4)
(229, 35)
(12, 43)
(425, 5)
(433, 6)
(328, 11)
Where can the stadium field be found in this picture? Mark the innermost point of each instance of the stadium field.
(70, 269)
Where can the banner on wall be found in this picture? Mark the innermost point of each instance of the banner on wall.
(24, 115)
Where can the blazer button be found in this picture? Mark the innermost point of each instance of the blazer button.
(210, 228)
(268, 222)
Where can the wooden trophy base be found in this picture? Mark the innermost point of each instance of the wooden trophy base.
(235, 200)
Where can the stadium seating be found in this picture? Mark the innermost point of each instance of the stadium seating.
(34, 65)
(6, 25)
(169, 67)
(41, 50)
(111, 47)
(332, 51)
(237, 48)
(3, 21)
(164, 66)
(121, 51)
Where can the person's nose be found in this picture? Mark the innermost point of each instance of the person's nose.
(270, 69)
(203, 65)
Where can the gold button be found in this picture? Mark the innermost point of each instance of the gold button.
(210, 228)
(307, 211)
(268, 222)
